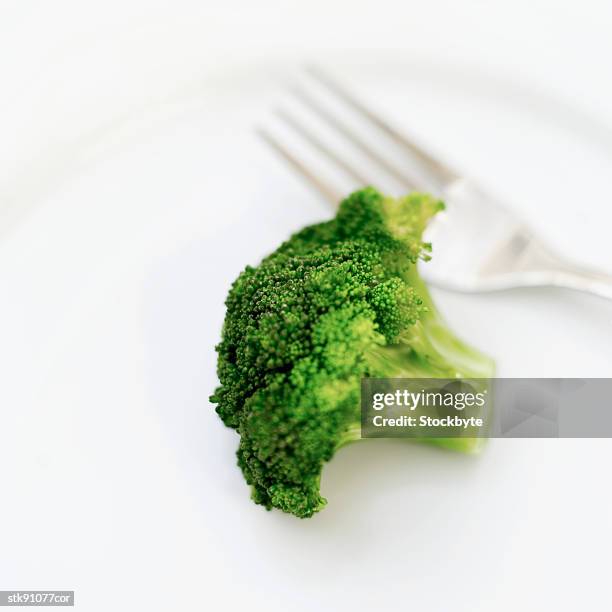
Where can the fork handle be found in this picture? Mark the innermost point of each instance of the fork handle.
(546, 268)
(570, 276)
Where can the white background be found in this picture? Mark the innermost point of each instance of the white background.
(123, 127)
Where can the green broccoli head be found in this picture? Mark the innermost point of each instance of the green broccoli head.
(337, 302)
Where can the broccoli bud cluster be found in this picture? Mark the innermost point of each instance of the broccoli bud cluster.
(338, 301)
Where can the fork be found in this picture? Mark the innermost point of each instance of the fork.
(480, 244)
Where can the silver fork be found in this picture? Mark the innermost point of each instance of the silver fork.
(479, 244)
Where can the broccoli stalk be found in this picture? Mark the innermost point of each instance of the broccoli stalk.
(337, 302)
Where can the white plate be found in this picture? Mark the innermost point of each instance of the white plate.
(115, 469)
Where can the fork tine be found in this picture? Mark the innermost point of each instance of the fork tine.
(332, 195)
(439, 171)
(298, 127)
(350, 135)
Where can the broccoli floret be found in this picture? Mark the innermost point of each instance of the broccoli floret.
(337, 302)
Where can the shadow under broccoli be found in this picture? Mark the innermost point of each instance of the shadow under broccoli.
(338, 301)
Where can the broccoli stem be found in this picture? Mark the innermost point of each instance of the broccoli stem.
(426, 350)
